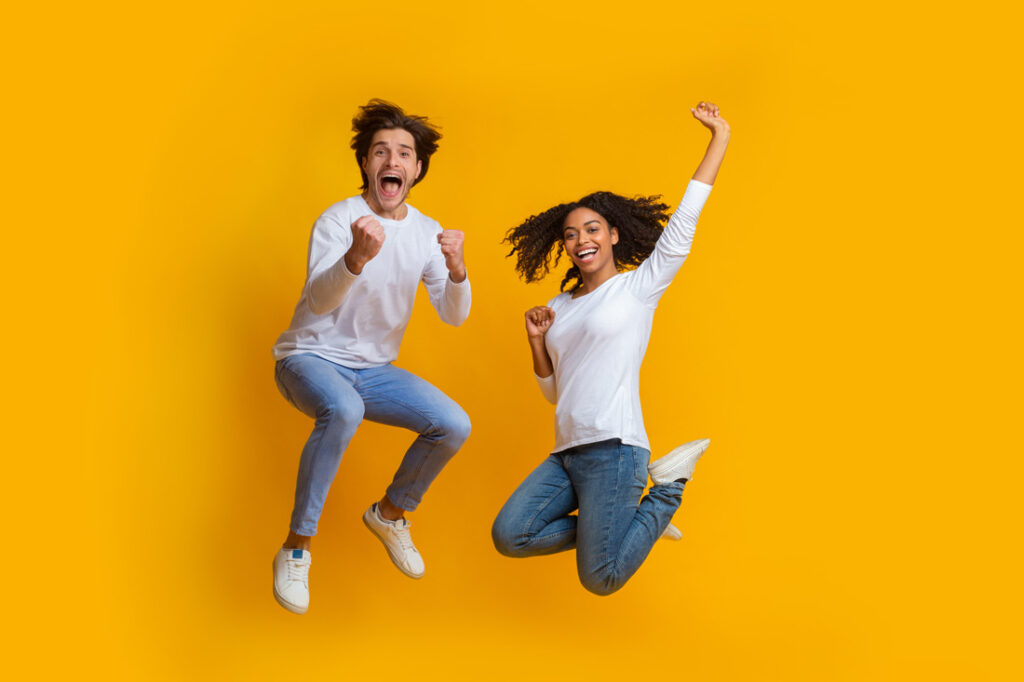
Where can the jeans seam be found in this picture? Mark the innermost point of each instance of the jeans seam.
(307, 494)
(547, 503)
(609, 519)
(612, 574)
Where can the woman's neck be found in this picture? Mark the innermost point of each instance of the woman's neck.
(593, 280)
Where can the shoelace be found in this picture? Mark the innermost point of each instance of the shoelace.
(404, 538)
(297, 570)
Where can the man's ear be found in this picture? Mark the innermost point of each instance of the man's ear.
(419, 168)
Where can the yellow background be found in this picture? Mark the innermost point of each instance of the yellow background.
(846, 332)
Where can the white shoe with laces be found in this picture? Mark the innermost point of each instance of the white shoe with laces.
(679, 463)
(396, 539)
(291, 579)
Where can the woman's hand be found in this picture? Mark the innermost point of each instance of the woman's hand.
(538, 320)
(707, 114)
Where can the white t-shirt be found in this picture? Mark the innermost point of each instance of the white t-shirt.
(359, 321)
(597, 341)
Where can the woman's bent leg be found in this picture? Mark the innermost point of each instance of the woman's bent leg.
(535, 520)
(616, 528)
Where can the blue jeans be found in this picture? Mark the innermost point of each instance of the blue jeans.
(614, 530)
(339, 398)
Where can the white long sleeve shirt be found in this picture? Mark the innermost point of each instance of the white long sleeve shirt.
(359, 321)
(597, 341)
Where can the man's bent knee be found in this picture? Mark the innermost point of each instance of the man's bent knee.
(342, 411)
(453, 427)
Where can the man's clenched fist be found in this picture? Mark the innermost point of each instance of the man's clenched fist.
(451, 247)
(367, 238)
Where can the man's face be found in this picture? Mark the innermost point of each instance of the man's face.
(391, 167)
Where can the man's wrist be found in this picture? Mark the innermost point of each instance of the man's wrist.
(354, 266)
(458, 276)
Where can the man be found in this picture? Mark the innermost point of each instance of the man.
(367, 255)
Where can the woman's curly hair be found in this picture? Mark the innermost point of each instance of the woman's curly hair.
(639, 220)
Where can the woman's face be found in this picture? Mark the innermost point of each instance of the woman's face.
(588, 240)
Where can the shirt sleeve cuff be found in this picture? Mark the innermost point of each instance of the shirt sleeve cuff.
(452, 283)
(697, 193)
(346, 271)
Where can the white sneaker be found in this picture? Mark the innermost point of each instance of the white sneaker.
(291, 579)
(679, 463)
(671, 533)
(396, 539)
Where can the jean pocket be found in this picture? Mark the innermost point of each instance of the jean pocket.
(640, 459)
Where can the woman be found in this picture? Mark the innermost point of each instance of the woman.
(587, 346)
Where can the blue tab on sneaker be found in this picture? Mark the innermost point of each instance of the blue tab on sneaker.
(296, 553)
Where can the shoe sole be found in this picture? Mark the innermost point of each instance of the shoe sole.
(288, 606)
(678, 458)
(391, 555)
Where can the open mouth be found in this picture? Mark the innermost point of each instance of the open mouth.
(391, 184)
(586, 255)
